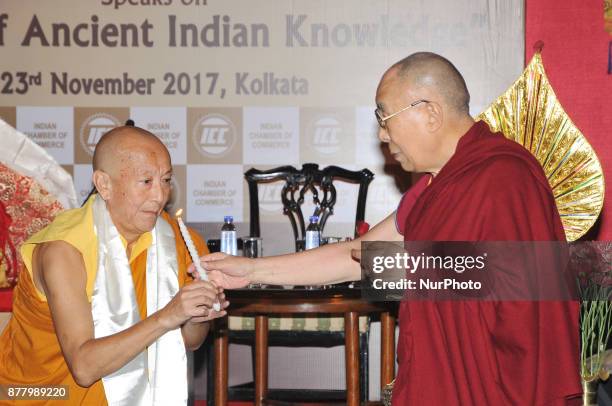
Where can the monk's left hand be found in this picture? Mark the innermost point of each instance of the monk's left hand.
(191, 270)
(213, 314)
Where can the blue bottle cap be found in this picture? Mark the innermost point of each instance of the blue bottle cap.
(228, 219)
(314, 219)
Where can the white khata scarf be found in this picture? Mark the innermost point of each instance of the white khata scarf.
(158, 375)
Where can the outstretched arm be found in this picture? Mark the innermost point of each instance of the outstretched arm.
(59, 272)
(331, 263)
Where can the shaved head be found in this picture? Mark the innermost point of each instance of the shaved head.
(119, 141)
(133, 175)
(422, 109)
(429, 70)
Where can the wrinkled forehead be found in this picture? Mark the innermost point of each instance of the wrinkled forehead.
(144, 159)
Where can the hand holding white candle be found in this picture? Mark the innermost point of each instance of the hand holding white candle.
(193, 252)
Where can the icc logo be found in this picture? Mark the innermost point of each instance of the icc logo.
(270, 197)
(326, 133)
(94, 127)
(214, 135)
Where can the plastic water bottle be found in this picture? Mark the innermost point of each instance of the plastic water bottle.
(313, 233)
(228, 236)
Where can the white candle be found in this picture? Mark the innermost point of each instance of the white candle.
(193, 252)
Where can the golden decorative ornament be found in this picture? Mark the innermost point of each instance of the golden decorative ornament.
(608, 15)
(530, 114)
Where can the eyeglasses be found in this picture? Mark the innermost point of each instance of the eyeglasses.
(382, 120)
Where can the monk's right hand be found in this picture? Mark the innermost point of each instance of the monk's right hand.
(228, 271)
(193, 300)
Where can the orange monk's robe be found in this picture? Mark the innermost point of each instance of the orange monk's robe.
(29, 350)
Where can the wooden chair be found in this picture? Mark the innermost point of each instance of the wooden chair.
(323, 332)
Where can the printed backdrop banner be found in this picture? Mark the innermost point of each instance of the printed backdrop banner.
(232, 85)
(577, 55)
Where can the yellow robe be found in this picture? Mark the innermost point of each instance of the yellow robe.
(29, 350)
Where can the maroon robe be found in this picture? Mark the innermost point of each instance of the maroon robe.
(486, 353)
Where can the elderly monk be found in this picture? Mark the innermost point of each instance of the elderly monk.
(478, 186)
(105, 306)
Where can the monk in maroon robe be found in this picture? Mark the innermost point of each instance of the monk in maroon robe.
(486, 353)
(479, 187)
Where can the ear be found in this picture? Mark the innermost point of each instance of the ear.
(103, 184)
(435, 116)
